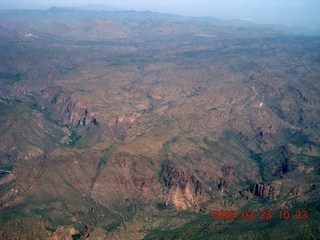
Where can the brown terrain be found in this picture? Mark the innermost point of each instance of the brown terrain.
(138, 127)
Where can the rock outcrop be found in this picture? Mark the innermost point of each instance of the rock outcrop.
(225, 181)
(61, 108)
(183, 189)
(267, 191)
(122, 124)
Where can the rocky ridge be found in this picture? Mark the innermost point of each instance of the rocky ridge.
(135, 134)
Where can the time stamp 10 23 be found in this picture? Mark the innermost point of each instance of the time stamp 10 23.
(262, 214)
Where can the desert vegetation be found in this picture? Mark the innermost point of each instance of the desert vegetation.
(137, 125)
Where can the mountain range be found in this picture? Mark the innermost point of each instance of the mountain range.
(141, 125)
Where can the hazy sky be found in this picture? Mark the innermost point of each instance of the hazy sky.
(286, 12)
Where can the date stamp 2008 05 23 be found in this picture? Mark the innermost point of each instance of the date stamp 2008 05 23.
(262, 214)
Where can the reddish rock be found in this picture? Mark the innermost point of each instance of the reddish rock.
(61, 107)
(184, 190)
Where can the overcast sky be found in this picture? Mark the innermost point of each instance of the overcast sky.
(286, 12)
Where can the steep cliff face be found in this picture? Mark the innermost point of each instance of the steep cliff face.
(266, 191)
(62, 108)
(225, 181)
(182, 189)
(263, 190)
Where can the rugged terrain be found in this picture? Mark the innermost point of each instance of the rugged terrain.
(130, 125)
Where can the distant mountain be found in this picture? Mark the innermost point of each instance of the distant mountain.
(98, 7)
(102, 11)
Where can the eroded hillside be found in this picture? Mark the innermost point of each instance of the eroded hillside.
(138, 128)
